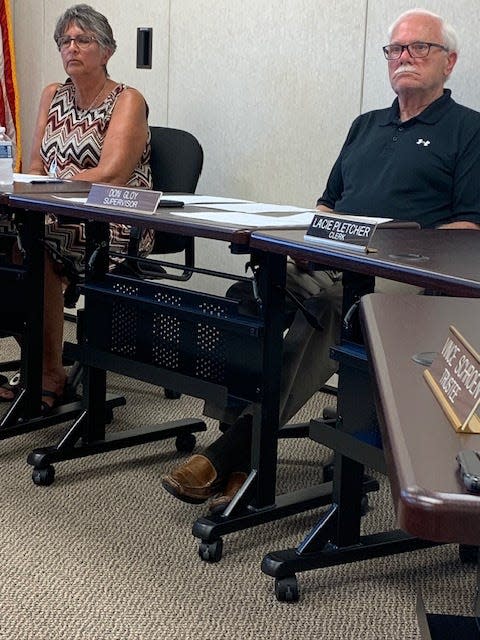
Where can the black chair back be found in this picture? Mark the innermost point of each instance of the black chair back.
(176, 161)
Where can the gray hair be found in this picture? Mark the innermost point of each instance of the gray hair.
(86, 18)
(449, 35)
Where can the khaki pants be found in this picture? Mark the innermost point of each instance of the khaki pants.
(306, 363)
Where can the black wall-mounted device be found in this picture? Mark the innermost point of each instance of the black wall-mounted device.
(144, 48)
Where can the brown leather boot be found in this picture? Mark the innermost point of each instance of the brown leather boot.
(234, 483)
(194, 481)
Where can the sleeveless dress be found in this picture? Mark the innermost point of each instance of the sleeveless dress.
(73, 141)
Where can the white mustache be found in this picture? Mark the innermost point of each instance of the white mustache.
(405, 68)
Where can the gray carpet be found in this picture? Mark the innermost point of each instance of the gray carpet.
(105, 553)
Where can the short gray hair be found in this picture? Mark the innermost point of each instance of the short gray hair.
(449, 35)
(89, 20)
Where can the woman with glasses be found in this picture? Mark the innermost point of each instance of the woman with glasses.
(88, 128)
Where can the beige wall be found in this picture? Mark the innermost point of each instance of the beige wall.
(268, 87)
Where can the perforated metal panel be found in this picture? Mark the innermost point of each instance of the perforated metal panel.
(166, 341)
(211, 353)
(179, 330)
(124, 322)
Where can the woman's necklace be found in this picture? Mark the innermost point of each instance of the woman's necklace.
(96, 97)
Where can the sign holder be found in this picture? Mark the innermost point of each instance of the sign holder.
(454, 379)
(353, 233)
(124, 198)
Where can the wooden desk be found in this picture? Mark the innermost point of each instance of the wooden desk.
(419, 442)
(73, 188)
(443, 260)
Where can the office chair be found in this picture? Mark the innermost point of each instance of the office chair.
(176, 161)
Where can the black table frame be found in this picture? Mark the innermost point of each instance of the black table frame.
(336, 538)
(22, 286)
(257, 502)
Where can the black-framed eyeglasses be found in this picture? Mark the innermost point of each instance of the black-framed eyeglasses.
(415, 49)
(82, 42)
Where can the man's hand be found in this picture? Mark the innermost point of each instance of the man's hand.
(302, 265)
(460, 224)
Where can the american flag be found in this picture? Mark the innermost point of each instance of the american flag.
(9, 103)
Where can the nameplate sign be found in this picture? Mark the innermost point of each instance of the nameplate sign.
(454, 378)
(124, 198)
(350, 232)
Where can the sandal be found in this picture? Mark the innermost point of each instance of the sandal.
(45, 407)
(67, 395)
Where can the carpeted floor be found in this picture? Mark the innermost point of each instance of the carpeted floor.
(104, 553)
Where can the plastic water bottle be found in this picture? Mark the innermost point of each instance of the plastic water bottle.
(6, 159)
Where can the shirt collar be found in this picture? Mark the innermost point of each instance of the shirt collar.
(430, 115)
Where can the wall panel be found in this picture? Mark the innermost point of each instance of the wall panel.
(269, 88)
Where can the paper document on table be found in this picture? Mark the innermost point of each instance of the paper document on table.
(34, 177)
(193, 199)
(250, 219)
(76, 200)
(256, 207)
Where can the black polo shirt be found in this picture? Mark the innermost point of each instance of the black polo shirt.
(426, 169)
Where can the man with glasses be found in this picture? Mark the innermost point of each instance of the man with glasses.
(418, 160)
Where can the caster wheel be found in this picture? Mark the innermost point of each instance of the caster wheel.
(468, 553)
(330, 413)
(364, 506)
(43, 477)
(171, 394)
(211, 551)
(185, 442)
(286, 589)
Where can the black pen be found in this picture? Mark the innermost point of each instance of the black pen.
(46, 181)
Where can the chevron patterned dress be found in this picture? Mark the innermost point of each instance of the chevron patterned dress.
(73, 141)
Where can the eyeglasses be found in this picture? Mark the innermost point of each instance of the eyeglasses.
(415, 49)
(82, 42)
